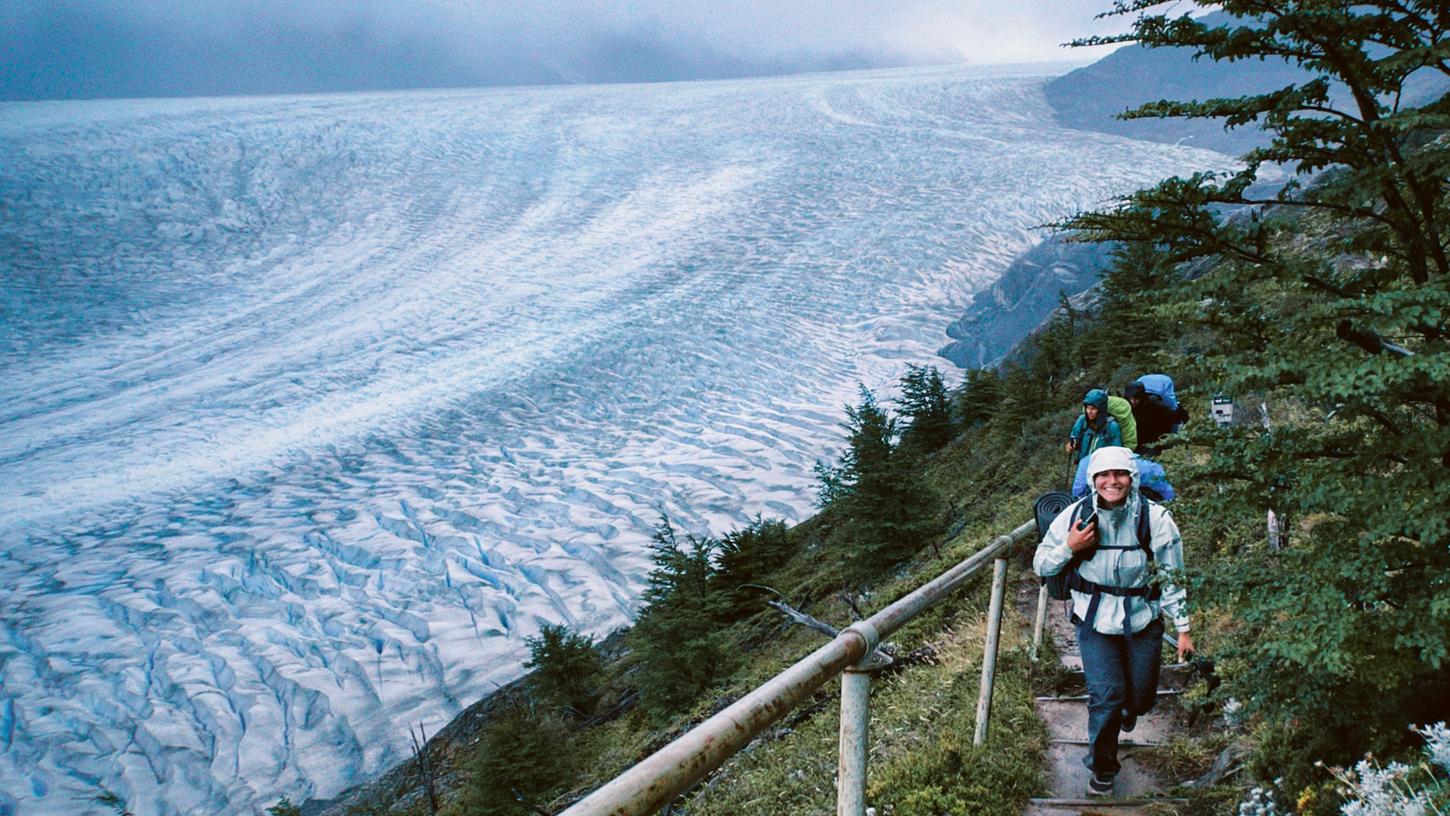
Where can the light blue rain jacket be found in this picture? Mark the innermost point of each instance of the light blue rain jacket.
(1120, 567)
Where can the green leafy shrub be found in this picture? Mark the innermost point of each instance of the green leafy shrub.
(523, 758)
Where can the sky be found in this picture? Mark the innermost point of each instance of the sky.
(74, 49)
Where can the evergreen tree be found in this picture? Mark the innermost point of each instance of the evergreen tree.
(749, 556)
(1131, 327)
(978, 399)
(566, 669)
(888, 512)
(1058, 353)
(679, 639)
(1024, 391)
(925, 402)
(522, 755)
(1333, 295)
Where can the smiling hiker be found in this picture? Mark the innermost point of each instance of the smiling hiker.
(1095, 427)
(1114, 541)
(1152, 480)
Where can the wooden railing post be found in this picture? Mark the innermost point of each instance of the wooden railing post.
(1041, 622)
(655, 780)
(989, 656)
(855, 733)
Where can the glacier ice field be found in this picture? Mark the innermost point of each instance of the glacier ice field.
(313, 408)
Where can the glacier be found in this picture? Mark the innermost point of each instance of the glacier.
(315, 407)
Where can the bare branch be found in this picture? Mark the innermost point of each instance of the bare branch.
(803, 619)
(519, 797)
(850, 600)
(1368, 340)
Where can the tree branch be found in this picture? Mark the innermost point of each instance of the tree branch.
(794, 614)
(1368, 340)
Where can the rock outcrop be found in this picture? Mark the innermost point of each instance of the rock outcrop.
(1025, 295)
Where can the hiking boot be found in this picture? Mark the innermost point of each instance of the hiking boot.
(1100, 786)
(1128, 722)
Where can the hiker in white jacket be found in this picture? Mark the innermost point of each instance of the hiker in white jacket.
(1122, 548)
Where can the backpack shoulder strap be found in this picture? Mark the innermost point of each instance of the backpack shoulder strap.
(1145, 526)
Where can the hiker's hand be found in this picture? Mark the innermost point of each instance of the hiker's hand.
(1081, 539)
(1185, 645)
(1069, 446)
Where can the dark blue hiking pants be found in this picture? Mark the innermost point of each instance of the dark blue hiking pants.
(1121, 673)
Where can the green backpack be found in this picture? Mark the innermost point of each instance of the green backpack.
(1122, 411)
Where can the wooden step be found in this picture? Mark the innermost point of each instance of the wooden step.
(1146, 806)
(1068, 777)
(1067, 721)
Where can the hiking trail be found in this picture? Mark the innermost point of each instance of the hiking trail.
(1138, 787)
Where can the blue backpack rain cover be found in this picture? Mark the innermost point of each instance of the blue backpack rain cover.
(1161, 386)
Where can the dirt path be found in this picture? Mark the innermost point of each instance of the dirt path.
(1138, 786)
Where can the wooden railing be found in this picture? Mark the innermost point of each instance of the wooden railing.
(675, 768)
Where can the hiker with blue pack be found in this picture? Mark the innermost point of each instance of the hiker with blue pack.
(1095, 427)
(1111, 554)
(1152, 480)
(1156, 409)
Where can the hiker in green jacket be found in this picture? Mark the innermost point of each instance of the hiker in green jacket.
(1095, 427)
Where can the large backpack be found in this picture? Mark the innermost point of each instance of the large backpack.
(1152, 484)
(1122, 411)
(1060, 586)
(1160, 386)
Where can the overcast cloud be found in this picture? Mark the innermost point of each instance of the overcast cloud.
(104, 48)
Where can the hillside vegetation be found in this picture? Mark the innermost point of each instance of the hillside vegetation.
(1321, 308)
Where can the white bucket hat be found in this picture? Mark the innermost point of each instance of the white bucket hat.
(1113, 458)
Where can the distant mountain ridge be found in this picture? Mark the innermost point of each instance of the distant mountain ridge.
(1090, 97)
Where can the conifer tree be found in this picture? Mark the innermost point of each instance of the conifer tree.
(925, 402)
(888, 511)
(1131, 327)
(679, 639)
(521, 762)
(1333, 295)
(566, 669)
(978, 399)
(748, 556)
(1057, 352)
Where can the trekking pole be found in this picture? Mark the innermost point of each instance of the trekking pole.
(1071, 471)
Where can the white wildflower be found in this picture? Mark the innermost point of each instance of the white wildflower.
(1383, 792)
(1437, 743)
(1260, 802)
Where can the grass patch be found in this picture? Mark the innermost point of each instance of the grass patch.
(922, 721)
